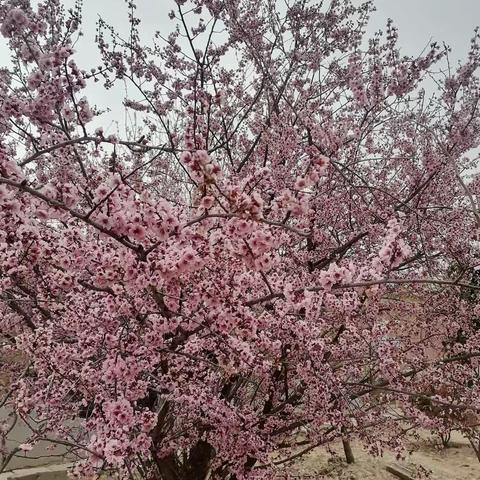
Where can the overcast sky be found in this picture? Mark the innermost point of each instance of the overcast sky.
(419, 22)
(451, 21)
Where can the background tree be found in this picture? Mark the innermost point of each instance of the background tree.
(270, 249)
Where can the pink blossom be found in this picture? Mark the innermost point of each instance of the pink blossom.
(26, 447)
(207, 202)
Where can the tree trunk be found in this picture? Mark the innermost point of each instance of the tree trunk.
(348, 451)
(199, 460)
(196, 466)
(168, 468)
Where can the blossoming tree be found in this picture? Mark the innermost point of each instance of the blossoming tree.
(288, 240)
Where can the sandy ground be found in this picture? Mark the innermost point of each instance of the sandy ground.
(458, 462)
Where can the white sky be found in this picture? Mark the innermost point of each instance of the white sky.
(452, 21)
(419, 22)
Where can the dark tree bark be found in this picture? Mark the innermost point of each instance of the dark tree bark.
(348, 451)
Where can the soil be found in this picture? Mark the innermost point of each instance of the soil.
(457, 462)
